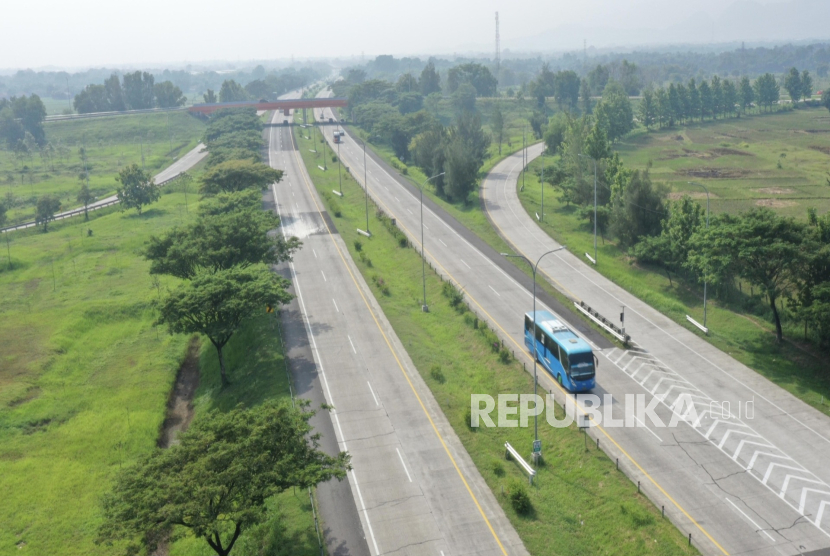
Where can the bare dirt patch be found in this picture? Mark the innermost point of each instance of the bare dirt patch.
(715, 173)
(703, 155)
(774, 203)
(817, 131)
(775, 190)
(675, 195)
(825, 150)
(730, 152)
(180, 403)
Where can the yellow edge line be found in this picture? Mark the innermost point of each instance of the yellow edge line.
(394, 354)
(521, 349)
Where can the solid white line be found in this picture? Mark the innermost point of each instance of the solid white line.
(373, 393)
(494, 290)
(465, 264)
(648, 429)
(324, 275)
(336, 308)
(350, 341)
(758, 529)
(404, 465)
(315, 252)
(410, 212)
(442, 242)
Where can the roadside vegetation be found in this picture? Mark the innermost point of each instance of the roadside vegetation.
(592, 507)
(78, 153)
(88, 403)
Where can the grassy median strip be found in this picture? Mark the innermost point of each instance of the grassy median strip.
(579, 503)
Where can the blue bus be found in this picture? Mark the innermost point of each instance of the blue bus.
(566, 356)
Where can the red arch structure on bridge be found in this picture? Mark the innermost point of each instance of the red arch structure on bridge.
(285, 104)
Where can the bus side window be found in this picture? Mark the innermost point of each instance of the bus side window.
(551, 346)
(566, 364)
(528, 324)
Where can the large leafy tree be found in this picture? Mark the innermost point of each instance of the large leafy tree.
(767, 90)
(747, 94)
(85, 197)
(477, 75)
(497, 124)
(566, 90)
(614, 112)
(231, 91)
(45, 210)
(137, 188)
(29, 113)
(430, 80)
(114, 94)
(792, 84)
(466, 150)
(825, 98)
(638, 209)
(138, 90)
(236, 175)
(217, 303)
(216, 480)
(647, 109)
(765, 249)
(218, 241)
(168, 95)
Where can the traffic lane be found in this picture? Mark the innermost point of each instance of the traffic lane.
(402, 217)
(566, 255)
(379, 484)
(699, 362)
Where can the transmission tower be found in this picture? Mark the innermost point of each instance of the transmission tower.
(498, 47)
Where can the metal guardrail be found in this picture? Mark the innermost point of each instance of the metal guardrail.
(77, 211)
(611, 328)
(704, 329)
(525, 465)
(62, 117)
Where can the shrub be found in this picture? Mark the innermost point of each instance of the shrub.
(366, 260)
(403, 242)
(468, 419)
(498, 469)
(334, 158)
(639, 516)
(504, 355)
(519, 498)
(455, 297)
(358, 245)
(436, 373)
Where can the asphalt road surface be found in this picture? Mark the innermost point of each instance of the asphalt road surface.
(413, 488)
(739, 483)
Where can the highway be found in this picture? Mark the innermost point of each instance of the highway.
(413, 489)
(739, 485)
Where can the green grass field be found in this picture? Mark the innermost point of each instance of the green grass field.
(111, 143)
(581, 504)
(739, 159)
(85, 378)
(740, 329)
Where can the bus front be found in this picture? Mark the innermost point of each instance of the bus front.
(581, 363)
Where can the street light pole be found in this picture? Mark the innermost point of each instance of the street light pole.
(534, 268)
(707, 227)
(365, 186)
(339, 174)
(425, 307)
(542, 158)
(595, 203)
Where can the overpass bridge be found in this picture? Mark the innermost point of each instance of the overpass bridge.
(281, 105)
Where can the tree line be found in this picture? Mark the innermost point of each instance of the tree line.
(216, 481)
(135, 91)
(777, 257)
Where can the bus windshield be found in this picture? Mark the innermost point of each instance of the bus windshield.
(582, 365)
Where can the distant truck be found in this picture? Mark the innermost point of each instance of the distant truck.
(338, 135)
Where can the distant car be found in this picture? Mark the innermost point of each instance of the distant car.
(285, 122)
(331, 120)
(342, 120)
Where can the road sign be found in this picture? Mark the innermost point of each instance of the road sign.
(537, 446)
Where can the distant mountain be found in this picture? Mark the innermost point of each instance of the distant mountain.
(742, 20)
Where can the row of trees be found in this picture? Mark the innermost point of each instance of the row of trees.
(267, 88)
(779, 256)
(137, 90)
(216, 481)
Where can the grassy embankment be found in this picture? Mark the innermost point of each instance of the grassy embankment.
(739, 159)
(85, 377)
(581, 504)
(740, 328)
(111, 143)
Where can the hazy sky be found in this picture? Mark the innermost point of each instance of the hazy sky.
(84, 33)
